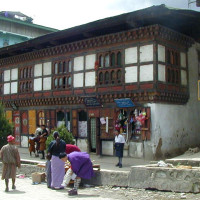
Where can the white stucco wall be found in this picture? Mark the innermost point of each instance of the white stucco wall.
(37, 84)
(177, 125)
(14, 87)
(24, 141)
(90, 61)
(14, 74)
(38, 70)
(6, 88)
(131, 55)
(7, 75)
(89, 79)
(47, 68)
(47, 83)
(78, 63)
(82, 144)
(107, 148)
(131, 74)
(78, 80)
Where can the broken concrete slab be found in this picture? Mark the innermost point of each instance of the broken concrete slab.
(167, 179)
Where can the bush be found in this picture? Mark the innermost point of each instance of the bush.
(64, 135)
(5, 127)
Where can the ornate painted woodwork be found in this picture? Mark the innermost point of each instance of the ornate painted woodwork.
(32, 121)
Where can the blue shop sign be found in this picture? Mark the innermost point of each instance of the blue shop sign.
(124, 103)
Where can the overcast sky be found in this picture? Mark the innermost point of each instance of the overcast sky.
(62, 14)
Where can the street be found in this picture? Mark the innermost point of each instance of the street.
(26, 191)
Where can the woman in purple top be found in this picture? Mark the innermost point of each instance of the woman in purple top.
(81, 167)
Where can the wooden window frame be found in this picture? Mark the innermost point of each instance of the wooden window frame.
(173, 68)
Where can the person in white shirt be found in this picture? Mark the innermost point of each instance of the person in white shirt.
(119, 147)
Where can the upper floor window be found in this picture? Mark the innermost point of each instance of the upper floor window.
(25, 86)
(173, 57)
(63, 67)
(111, 59)
(1, 89)
(62, 82)
(1, 77)
(173, 66)
(110, 77)
(26, 72)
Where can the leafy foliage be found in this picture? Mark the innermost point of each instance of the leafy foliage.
(64, 135)
(5, 127)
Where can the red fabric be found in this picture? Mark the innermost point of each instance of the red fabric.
(71, 148)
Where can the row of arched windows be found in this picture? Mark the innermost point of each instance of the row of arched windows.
(25, 86)
(110, 59)
(63, 67)
(62, 82)
(110, 77)
(26, 72)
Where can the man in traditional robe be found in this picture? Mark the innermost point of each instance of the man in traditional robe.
(11, 160)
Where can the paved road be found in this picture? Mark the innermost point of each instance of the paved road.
(106, 162)
(26, 191)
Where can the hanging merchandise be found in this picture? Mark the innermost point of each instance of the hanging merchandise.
(117, 125)
(141, 118)
(102, 120)
(120, 116)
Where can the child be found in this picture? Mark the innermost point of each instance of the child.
(81, 167)
(37, 141)
(31, 144)
(48, 170)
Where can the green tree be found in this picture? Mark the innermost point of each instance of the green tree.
(64, 135)
(5, 127)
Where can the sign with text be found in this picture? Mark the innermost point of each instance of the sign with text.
(91, 102)
(124, 103)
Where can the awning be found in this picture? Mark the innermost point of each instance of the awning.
(124, 103)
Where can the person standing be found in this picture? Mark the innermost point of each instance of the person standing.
(31, 142)
(56, 147)
(119, 147)
(11, 160)
(48, 170)
(43, 139)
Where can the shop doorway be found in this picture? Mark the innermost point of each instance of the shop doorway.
(94, 136)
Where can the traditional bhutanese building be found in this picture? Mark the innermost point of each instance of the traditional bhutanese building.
(137, 72)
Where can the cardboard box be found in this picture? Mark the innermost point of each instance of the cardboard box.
(38, 177)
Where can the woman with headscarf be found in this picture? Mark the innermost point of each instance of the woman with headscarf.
(11, 160)
(56, 147)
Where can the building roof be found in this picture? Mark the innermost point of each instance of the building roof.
(16, 15)
(20, 18)
(184, 21)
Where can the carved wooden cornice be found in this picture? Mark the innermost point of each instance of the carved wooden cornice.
(148, 32)
(141, 97)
